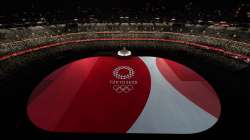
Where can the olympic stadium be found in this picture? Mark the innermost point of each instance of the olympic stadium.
(63, 77)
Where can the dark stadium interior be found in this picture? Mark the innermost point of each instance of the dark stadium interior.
(234, 102)
(223, 26)
(139, 10)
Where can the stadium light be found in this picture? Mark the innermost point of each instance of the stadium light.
(210, 21)
(236, 57)
(247, 60)
(200, 21)
(173, 19)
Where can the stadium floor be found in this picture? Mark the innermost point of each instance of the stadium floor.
(231, 87)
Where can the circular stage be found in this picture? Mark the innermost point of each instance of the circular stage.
(117, 95)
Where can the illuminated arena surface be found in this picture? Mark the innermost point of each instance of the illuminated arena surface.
(116, 95)
(74, 69)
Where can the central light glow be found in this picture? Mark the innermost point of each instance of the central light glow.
(124, 52)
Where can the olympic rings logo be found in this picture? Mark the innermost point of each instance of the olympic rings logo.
(123, 88)
(117, 75)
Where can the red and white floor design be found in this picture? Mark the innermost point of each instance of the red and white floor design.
(134, 95)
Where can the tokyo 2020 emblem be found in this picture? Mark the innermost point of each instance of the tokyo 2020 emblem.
(123, 84)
